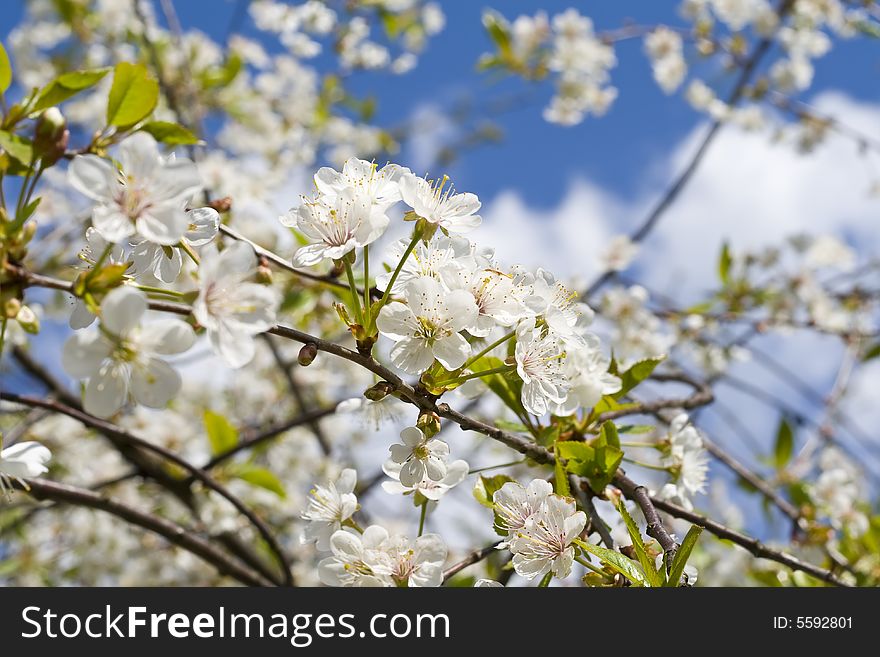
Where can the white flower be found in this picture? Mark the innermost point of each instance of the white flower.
(147, 196)
(231, 309)
(488, 584)
(427, 259)
(337, 226)
(378, 186)
(416, 563)
(515, 504)
(587, 371)
(620, 253)
(124, 357)
(419, 457)
(357, 559)
(427, 326)
(493, 291)
(452, 212)
(165, 262)
(540, 364)
(373, 413)
(330, 506)
(556, 303)
(687, 459)
(27, 459)
(433, 490)
(544, 543)
(81, 317)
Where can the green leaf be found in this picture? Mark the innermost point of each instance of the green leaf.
(872, 353)
(260, 477)
(18, 148)
(561, 486)
(495, 26)
(170, 133)
(636, 374)
(616, 561)
(784, 444)
(221, 434)
(724, 262)
(597, 460)
(654, 578)
(67, 85)
(5, 70)
(683, 554)
(485, 488)
(133, 95)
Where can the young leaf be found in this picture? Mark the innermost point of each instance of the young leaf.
(67, 85)
(485, 488)
(636, 374)
(5, 70)
(872, 353)
(724, 262)
(221, 434)
(561, 486)
(260, 477)
(784, 444)
(683, 554)
(133, 95)
(654, 578)
(616, 562)
(18, 148)
(170, 133)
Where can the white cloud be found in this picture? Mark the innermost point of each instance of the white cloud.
(749, 189)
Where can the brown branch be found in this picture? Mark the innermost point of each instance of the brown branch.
(110, 429)
(753, 545)
(655, 529)
(175, 534)
(474, 557)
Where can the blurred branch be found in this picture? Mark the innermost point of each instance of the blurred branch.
(175, 534)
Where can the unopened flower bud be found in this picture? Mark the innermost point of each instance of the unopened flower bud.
(221, 204)
(264, 273)
(307, 354)
(51, 136)
(379, 391)
(28, 320)
(11, 308)
(429, 423)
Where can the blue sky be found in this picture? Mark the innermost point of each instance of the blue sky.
(537, 158)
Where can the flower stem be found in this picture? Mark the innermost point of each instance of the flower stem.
(589, 565)
(159, 290)
(354, 293)
(495, 467)
(367, 319)
(545, 581)
(485, 351)
(417, 235)
(638, 444)
(642, 464)
(99, 263)
(188, 250)
(474, 375)
(422, 517)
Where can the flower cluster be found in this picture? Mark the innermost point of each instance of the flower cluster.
(540, 527)
(442, 294)
(686, 459)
